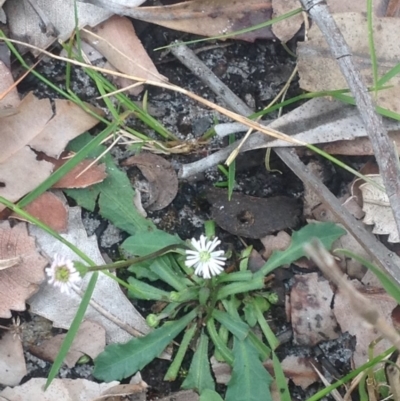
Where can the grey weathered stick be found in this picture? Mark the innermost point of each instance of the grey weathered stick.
(388, 261)
(188, 58)
(383, 149)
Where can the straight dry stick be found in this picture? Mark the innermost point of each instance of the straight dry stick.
(383, 149)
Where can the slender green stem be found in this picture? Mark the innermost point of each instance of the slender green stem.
(213, 298)
(133, 261)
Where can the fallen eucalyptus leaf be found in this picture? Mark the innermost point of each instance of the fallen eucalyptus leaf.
(201, 17)
(163, 181)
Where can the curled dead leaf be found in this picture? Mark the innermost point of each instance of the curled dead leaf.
(377, 209)
(162, 178)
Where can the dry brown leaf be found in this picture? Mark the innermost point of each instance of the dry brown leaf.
(246, 215)
(60, 390)
(299, 370)
(202, 17)
(18, 130)
(16, 178)
(6, 81)
(296, 368)
(319, 70)
(356, 326)
(285, 30)
(18, 283)
(24, 23)
(34, 127)
(377, 209)
(90, 340)
(69, 121)
(12, 360)
(380, 7)
(49, 209)
(116, 40)
(81, 176)
(162, 178)
(6, 263)
(310, 307)
(278, 242)
(122, 392)
(358, 146)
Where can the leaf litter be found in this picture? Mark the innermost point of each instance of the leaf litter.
(99, 192)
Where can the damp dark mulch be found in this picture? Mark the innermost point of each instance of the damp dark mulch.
(254, 71)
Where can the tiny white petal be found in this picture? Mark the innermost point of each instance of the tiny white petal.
(204, 259)
(62, 274)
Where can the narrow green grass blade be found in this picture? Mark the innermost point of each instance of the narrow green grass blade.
(389, 75)
(82, 154)
(391, 286)
(70, 336)
(232, 171)
(324, 392)
(130, 105)
(263, 350)
(273, 342)
(384, 112)
(241, 31)
(281, 382)
(34, 220)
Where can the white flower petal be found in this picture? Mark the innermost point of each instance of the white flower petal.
(203, 240)
(190, 252)
(191, 263)
(62, 274)
(204, 259)
(214, 244)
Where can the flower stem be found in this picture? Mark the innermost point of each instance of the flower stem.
(133, 261)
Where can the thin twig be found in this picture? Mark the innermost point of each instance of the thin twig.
(387, 260)
(383, 148)
(188, 58)
(104, 312)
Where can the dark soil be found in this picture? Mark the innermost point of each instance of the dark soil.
(254, 71)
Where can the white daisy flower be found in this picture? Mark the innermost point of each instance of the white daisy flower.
(204, 259)
(62, 274)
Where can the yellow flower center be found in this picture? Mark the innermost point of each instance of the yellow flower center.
(62, 274)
